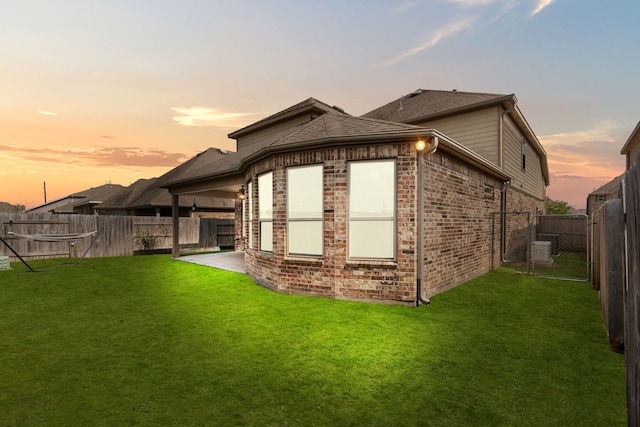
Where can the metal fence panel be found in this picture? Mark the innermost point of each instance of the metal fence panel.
(559, 247)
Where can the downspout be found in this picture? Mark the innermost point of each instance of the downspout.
(420, 217)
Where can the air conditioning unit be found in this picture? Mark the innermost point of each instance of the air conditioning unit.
(541, 252)
(4, 263)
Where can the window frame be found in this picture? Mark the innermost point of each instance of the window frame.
(250, 212)
(263, 221)
(393, 219)
(312, 219)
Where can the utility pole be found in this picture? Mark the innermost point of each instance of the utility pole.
(45, 191)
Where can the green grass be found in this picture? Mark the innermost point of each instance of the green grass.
(153, 341)
(570, 265)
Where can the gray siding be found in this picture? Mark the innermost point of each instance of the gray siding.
(477, 130)
(530, 179)
(257, 136)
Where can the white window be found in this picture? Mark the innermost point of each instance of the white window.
(250, 212)
(304, 210)
(372, 209)
(265, 206)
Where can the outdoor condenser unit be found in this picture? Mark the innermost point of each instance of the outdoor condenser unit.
(541, 252)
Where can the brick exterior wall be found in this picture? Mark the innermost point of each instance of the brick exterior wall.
(458, 205)
(519, 201)
(457, 240)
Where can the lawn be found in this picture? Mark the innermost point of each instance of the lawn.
(154, 341)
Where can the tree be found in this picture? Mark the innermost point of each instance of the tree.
(8, 207)
(558, 207)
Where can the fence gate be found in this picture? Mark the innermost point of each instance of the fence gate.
(510, 240)
(554, 246)
(559, 248)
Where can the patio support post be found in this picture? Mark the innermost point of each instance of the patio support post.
(175, 222)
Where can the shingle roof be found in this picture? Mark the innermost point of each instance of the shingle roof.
(423, 103)
(145, 193)
(610, 187)
(204, 158)
(84, 197)
(323, 129)
(326, 129)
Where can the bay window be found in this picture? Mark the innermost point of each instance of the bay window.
(372, 209)
(265, 209)
(304, 210)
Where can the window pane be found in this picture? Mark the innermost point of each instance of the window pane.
(305, 237)
(372, 189)
(304, 192)
(265, 195)
(266, 236)
(371, 239)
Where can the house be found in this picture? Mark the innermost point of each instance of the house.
(631, 148)
(375, 208)
(83, 202)
(598, 197)
(145, 198)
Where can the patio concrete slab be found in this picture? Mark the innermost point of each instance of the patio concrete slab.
(231, 261)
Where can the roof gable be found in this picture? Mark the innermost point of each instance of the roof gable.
(310, 105)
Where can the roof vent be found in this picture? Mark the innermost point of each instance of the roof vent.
(454, 90)
(415, 93)
(223, 151)
(335, 107)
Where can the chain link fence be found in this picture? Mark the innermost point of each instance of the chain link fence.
(547, 245)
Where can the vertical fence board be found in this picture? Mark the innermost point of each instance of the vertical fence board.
(611, 273)
(631, 193)
(116, 235)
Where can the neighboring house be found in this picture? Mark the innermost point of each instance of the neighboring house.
(83, 202)
(144, 198)
(631, 148)
(609, 191)
(372, 209)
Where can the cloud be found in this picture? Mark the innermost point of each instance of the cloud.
(406, 5)
(582, 161)
(47, 113)
(473, 3)
(204, 116)
(541, 5)
(436, 37)
(600, 132)
(96, 156)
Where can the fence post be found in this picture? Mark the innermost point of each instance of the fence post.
(611, 272)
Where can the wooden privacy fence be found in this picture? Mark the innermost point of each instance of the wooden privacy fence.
(116, 235)
(615, 260)
(631, 198)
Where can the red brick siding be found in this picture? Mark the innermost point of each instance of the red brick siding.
(457, 241)
(457, 223)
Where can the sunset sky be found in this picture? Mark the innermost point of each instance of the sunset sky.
(93, 92)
